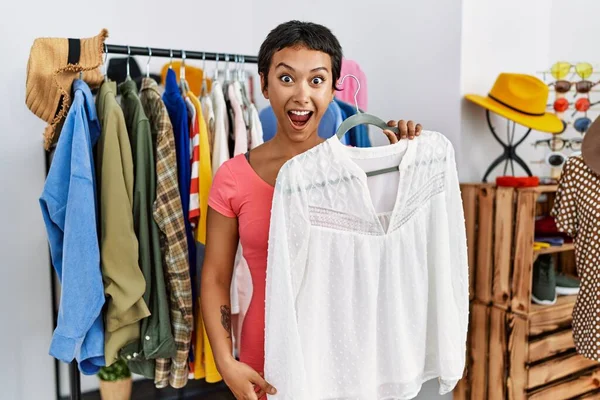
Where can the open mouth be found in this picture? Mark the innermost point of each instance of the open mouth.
(299, 118)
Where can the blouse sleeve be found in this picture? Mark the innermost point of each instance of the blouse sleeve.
(451, 293)
(565, 204)
(286, 262)
(222, 191)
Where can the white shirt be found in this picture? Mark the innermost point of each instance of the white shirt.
(367, 280)
(220, 144)
(256, 132)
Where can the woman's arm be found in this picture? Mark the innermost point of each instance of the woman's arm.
(221, 245)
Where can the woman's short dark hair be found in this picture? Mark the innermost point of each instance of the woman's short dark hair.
(298, 33)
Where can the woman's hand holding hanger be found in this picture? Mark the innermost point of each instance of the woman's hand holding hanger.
(407, 130)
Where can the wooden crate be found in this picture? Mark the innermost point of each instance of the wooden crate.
(527, 208)
(473, 385)
(516, 349)
(514, 357)
(489, 216)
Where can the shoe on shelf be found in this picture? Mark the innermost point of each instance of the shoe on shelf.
(544, 281)
(567, 285)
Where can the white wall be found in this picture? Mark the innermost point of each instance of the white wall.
(410, 52)
(499, 36)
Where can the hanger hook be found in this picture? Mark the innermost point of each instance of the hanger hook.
(217, 66)
(203, 61)
(128, 61)
(171, 58)
(182, 68)
(243, 67)
(105, 60)
(357, 90)
(227, 72)
(148, 63)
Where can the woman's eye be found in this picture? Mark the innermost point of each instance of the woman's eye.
(286, 78)
(317, 81)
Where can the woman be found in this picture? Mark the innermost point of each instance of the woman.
(299, 64)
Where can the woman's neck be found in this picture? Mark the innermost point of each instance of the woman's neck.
(288, 148)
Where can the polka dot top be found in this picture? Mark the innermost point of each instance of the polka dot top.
(577, 213)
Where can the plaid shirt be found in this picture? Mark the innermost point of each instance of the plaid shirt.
(168, 214)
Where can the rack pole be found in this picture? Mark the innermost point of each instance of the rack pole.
(74, 377)
(177, 53)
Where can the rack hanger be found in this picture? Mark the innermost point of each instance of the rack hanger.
(363, 118)
(74, 377)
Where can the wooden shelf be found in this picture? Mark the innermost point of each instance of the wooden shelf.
(561, 302)
(542, 189)
(554, 249)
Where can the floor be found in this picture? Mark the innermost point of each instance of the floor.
(145, 390)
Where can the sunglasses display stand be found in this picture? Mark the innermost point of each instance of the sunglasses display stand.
(509, 156)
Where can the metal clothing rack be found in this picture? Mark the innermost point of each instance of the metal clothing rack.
(74, 377)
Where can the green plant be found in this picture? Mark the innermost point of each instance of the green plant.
(115, 372)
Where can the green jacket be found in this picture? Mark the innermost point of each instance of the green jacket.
(156, 338)
(124, 284)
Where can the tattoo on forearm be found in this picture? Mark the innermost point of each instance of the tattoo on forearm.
(226, 319)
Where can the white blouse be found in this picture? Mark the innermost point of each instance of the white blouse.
(367, 279)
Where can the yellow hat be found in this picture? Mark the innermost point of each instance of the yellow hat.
(520, 98)
(193, 76)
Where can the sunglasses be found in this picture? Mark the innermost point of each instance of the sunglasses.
(557, 144)
(582, 104)
(563, 86)
(581, 125)
(562, 68)
(554, 159)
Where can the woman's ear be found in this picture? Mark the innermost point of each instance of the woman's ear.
(263, 86)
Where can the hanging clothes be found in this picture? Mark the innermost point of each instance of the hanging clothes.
(359, 135)
(204, 365)
(209, 117)
(367, 293)
(349, 87)
(256, 131)
(221, 141)
(156, 339)
(178, 114)
(68, 203)
(331, 120)
(239, 126)
(168, 214)
(124, 282)
(193, 75)
(194, 213)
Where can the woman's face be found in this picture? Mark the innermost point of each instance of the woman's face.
(299, 90)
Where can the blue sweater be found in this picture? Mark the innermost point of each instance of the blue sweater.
(179, 118)
(68, 204)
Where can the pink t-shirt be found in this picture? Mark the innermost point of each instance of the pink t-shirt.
(238, 192)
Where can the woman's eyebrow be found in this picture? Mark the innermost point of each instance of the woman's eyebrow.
(284, 65)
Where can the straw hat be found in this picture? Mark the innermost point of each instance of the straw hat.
(590, 148)
(54, 63)
(520, 98)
